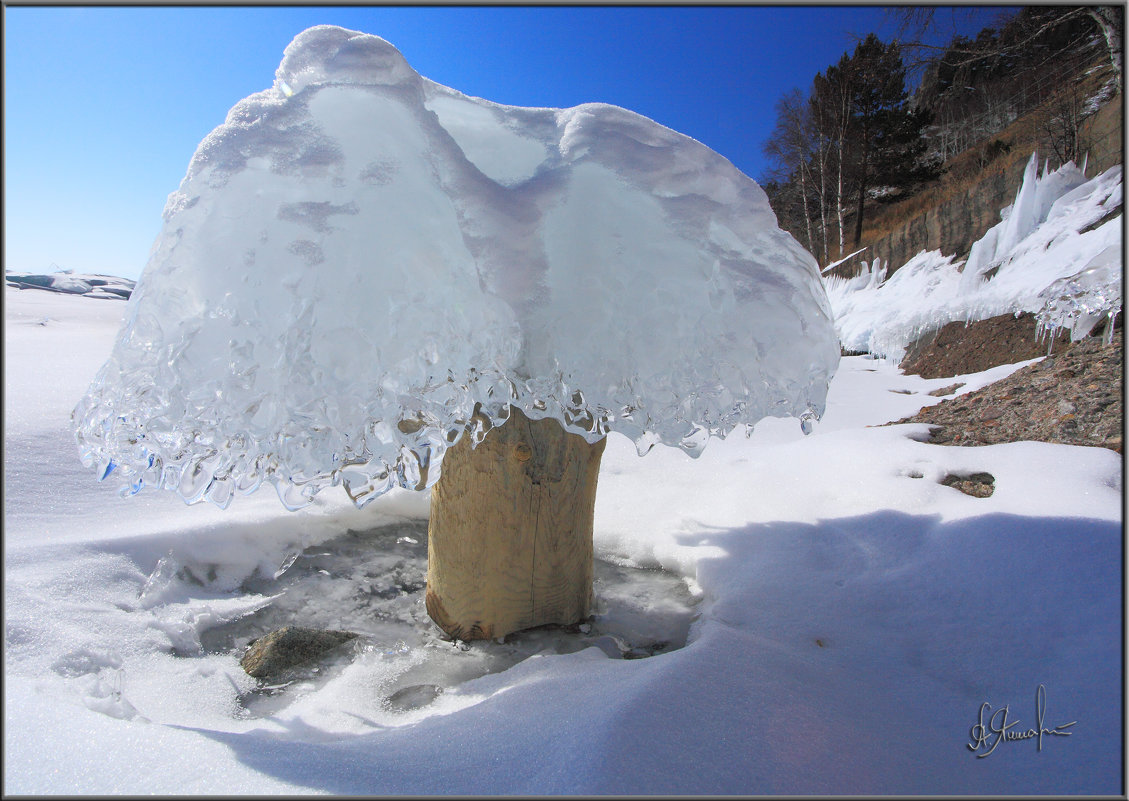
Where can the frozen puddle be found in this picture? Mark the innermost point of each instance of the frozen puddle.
(372, 583)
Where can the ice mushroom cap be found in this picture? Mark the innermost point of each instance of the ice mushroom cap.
(362, 265)
(326, 54)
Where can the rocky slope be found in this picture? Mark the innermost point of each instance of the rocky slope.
(980, 187)
(1073, 396)
(959, 349)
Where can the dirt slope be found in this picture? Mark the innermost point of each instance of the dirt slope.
(1074, 396)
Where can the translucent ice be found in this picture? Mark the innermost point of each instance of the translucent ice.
(1033, 202)
(1079, 302)
(358, 258)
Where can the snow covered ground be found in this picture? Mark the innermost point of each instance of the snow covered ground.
(853, 615)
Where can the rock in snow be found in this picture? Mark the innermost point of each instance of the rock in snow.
(359, 257)
(289, 647)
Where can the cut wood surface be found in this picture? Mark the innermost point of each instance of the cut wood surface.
(510, 531)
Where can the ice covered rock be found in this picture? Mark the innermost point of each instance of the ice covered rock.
(879, 315)
(91, 286)
(1033, 204)
(358, 258)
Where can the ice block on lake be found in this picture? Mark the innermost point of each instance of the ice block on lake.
(361, 266)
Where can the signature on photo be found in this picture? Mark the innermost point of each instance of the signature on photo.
(987, 734)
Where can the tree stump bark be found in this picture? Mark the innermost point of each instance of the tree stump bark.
(510, 531)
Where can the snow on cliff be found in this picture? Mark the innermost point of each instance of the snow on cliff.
(358, 257)
(1056, 252)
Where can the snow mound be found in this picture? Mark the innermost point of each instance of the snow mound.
(359, 258)
(1056, 253)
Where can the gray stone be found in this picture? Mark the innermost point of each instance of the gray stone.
(949, 390)
(415, 697)
(978, 485)
(992, 413)
(289, 647)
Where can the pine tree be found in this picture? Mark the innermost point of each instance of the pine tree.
(888, 132)
(856, 132)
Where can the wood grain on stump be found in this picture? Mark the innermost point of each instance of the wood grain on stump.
(510, 532)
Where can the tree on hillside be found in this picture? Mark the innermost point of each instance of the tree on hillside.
(1111, 22)
(977, 87)
(824, 127)
(888, 143)
(855, 135)
(831, 107)
(789, 148)
(863, 139)
(1022, 41)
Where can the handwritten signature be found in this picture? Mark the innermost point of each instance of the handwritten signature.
(997, 729)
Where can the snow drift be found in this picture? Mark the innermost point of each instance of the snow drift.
(854, 614)
(358, 258)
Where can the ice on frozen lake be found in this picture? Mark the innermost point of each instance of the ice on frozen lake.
(358, 258)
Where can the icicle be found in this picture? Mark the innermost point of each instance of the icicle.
(808, 420)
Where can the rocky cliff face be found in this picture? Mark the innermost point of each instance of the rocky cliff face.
(953, 225)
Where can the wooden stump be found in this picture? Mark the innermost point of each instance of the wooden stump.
(510, 533)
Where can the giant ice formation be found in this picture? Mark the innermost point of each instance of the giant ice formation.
(1056, 252)
(359, 256)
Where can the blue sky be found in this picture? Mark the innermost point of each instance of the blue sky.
(103, 107)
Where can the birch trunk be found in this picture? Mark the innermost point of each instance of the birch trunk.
(804, 198)
(839, 201)
(823, 197)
